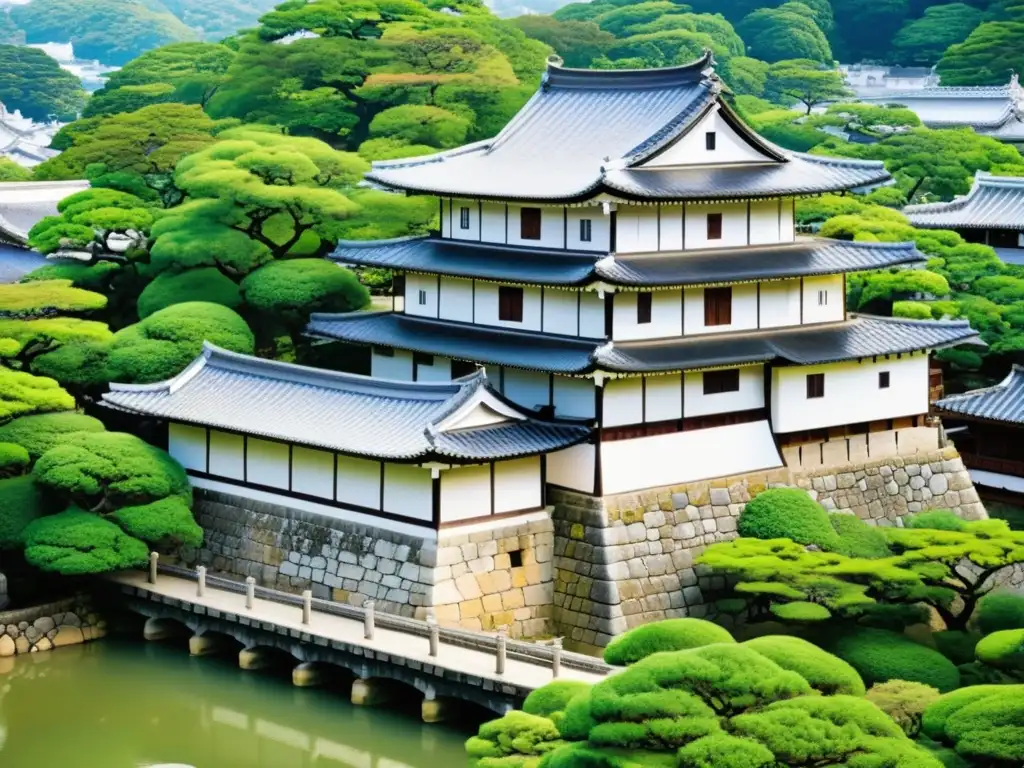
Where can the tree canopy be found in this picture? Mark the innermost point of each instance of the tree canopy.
(989, 55)
(786, 32)
(35, 84)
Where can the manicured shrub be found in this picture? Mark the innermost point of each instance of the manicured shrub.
(801, 611)
(553, 698)
(984, 723)
(857, 538)
(904, 702)
(937, 519)
(38, 434)
(1000, 610)
(293, 288)
(1003, 649)
(75, 543)
(21, 502)
(824, 671)
(720, 750)
(958, 647)
(14, 460)
(787, 513)
(510, 741)
(892, 616)
(205, 284)
(667, 635)
(879, 656)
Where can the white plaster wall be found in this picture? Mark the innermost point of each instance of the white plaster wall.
(413, 285)
(780, 303)
(473, 232)
(851, 393)
(493, 223)
(226, 455)
(408, 491)
(671, 228)
(666, 316)
(517, 485)
(832, 309)
(552, 228)
(456, 299)
(441, 370)
(734, 225)
(312, 472)
(487, 307)
(636, 229)
(600, 228)
(765, 220)
(691, 149)
(663, 398)
(266, 463)
(359, 482)
(750, 394)
(531, 389)
(398, 367)
(465, 493)
(574, 398)
(623, 402)
(187, 445)
(787, 229)
(573, 467)
(561, 312)
(591, 315)
(680, 457)
(744, 310)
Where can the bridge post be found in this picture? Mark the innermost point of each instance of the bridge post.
(253, 659)
(250, 592)
(154, 557)
(435, 633)
(432, 709)
(502, 640)
(307, 607)
(368, 620)
(371, 692)
(201, 581)
(556, 657)
(307, 675)
(205, 645)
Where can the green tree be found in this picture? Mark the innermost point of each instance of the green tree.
(420, 124)
(805, 82)
(744, 75)
(577, 42)
(104, 223)
(23, 394)
(11, 171)
(866, 27)
(784, 33)
(35, 84)
(923, 41)
(989, 55)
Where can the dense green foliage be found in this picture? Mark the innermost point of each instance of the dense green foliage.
(996, 611)
(922, 41)
(983, 723)
(76, 543)
(21, 502)
(825, 672)
(787, 513)
(989, 55)
(880, 656)
(669, 635)
(35, 84)
(1003, 649)
(551, 700)
(38, 434)
(905, 702)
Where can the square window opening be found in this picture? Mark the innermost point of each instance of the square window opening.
(585, 230)
(529, 223)
(714, 226)
(883, 379)
(515, 558)
(510, 304)
(815, 385)
(718, 306)
(644, 301)
(709, 141)
(717, 382)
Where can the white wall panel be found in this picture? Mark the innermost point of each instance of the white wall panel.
(226, 455)
(408, 491)
(417, 288)
(359, 482)
(494, 223)
(823, 299)
(574, 398)
(750, 394)
(552, 228)
(187, 445)
(591, 315)
(671, 238)
(636, 229)
(680, 457)
(744, 310)
(465, 493)
(573, 467)
(472, 232)
(441, 370)
(561, 312)
(852, 394)
(312, 472)
(786, 228)
(780, 303)
(692, 149)
(397, 366)
(764, 222)
(487, 307)
(666, 316)
(517, 485)
(734, 225)
(266, 463)
(623, 402)
(663, 398)
(531, 389)
(600, 228)
(456, 300)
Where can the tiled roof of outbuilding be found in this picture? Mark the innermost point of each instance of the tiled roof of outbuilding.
(1003, 402)
(995, 202)
(351, 414)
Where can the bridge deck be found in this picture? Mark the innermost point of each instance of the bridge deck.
(412, 646)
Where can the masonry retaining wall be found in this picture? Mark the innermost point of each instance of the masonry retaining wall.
(53, 625)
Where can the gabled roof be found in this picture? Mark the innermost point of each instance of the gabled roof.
(351, 414)
(995, 202)
(584, 132)
(533, 266)
(861, 336)
(1003, 402)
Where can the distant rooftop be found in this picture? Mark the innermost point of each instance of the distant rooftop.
(1004, 402)
(994, 202)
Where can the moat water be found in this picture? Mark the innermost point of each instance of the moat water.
(121, 704)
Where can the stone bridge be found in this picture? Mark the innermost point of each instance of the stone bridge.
(395, 660)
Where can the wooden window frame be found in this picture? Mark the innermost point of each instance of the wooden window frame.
(714, 226)
(720, 382)
(718, 306)
(530, 223)
(884, 380)
(421, 298)
(586, 230)
(510, 303)
(815, 386)
(464, 217)
(644, 307)
(710, 141)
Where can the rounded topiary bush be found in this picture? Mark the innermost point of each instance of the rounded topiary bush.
(553, 697)
(936, 519)
(516, 735)
(787, 513)
(984, 723)
(42, 431)
(14, 460)
(880, 656)
(205, 284)
(857, 538)
(824, 671)
(1000, 610)
(904, 702)
(1003, 649)
(667, 635)
(956, 646)
(801, 611)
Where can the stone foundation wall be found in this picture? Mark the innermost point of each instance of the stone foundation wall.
(43, 627)
(466, 579)
(626, 560)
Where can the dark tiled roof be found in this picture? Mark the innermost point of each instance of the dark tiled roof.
(861, 336)
(990, 110)
(341, 412)
(573, 268)
(994, 202)
(1003, 402)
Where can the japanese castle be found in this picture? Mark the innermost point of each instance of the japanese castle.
(991, 213)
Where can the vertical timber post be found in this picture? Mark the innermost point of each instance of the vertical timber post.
(201, 581)
(154, 558)
(307, 606)
(435, 634)
(368, 620)
(556, 657)
(499, 661)
(250, 592)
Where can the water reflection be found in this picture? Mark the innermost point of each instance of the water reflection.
(123, 705)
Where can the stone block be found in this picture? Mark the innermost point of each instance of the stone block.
(537, 594)
(467, 587)
(720, 497)
(834, 453)
(938, 484)
(510, 600)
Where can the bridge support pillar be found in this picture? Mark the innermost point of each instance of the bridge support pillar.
(161, 629)
(254, 659)
(370, 692)
(308, 675)
(433, 710)
(205, 645)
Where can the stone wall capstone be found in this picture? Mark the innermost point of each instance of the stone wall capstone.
(43, 627)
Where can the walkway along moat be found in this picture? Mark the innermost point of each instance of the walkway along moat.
(384, 654)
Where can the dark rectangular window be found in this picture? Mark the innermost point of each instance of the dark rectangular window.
(419, 358)
(585, 230)
(883, 379)
(510, 304)
(384, 351)
(643, 307)
(462, 368)
(714, 226)
(822, 298)
(718, 306)
(423, 298)
(709, 141)
(464, 218)
(529, 223)
(515, 558)
(716, 382)
(815, 385)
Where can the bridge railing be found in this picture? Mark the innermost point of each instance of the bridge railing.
(534, 653)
